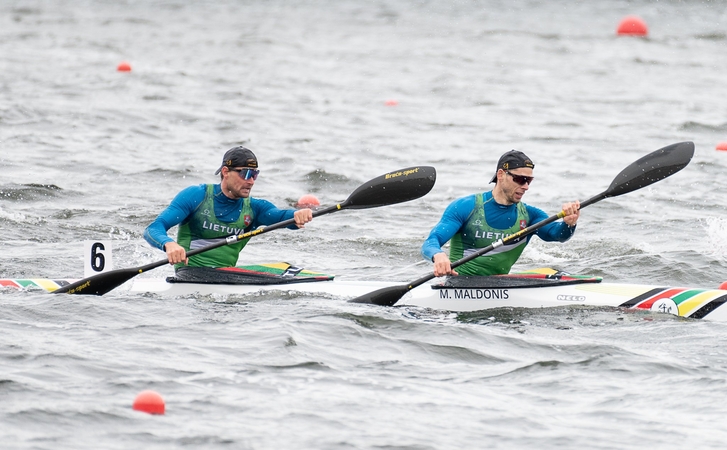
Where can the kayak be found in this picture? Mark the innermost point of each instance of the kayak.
(539, 288)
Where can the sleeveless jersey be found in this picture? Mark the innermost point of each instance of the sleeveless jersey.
(204, 229)
(477, 234)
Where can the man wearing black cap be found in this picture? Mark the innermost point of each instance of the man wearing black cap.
(207, 213)
(478, 220)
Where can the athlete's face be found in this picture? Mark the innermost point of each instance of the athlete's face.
(237, 182)
(514, 183)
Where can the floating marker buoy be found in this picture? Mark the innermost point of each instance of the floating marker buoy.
(149, 402)
(722, 146)
(723, 286)
(308, 201)
(391, 102)
(124, 67)
(632, 26)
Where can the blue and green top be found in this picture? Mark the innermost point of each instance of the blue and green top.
(205, 215)
(476, 221)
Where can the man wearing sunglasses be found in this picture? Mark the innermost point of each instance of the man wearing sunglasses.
(478, 220)
(207, 213)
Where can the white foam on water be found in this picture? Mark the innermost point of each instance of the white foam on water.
(716, 229)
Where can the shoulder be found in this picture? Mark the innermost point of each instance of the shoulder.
(530, 207)
(194, 192)
(536, 214)
(468, 201)
(194, 188)
(261, 204)
(461, 208)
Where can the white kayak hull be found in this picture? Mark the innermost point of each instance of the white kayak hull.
(685, 302)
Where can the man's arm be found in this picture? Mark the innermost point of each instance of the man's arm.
(268, 214)
(556, 231)
(449, 224)
(181, 207)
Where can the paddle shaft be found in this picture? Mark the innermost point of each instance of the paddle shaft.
(239, 237)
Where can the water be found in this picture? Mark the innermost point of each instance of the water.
(90, 153)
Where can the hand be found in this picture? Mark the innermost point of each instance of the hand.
(302, 217)
(442, 265)
(175, 253)
(572, 212)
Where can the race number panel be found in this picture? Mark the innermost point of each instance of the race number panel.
(97, 258)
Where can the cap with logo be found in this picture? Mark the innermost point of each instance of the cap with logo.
(238, 157)
(513, 159)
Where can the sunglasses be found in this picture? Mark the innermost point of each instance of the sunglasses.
(246, 174)
(520, 179)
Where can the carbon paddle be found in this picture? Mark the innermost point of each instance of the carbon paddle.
(645, 171)
(388, 189)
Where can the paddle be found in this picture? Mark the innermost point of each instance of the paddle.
(388, 189)
(641, 173)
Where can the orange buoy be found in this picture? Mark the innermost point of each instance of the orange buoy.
(632, 26)
(308, 201)
(149, 402)
(722, 146)
(124, 67)
(723, 286)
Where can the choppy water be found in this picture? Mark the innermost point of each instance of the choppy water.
(87, 152)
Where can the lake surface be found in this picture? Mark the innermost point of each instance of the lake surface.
(330, 95)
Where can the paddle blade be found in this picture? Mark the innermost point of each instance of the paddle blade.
(99, 284)
(387, 296)
(393, 187)
(651, 168)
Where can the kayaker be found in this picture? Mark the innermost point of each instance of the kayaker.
(208, 212)
(478, 220)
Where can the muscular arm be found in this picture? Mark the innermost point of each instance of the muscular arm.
(267, 214)
(181, 207)
(452, 220)
(556, 231)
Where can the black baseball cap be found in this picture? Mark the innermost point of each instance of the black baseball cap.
(238, 157)
(513, 159)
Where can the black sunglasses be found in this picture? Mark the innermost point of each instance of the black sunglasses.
(246, 174)
(520, 179)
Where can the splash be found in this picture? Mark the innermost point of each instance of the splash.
(16, 217)
(716, 228)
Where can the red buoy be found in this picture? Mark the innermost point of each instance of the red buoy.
(308, 201)
(149, 402)
(124, 67)
(723, 286)
(632, 26)
(722, 146)
(391, 102)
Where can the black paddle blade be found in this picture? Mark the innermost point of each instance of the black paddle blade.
(394, 187)
(651, 168)
(99, 284)
(387, 296)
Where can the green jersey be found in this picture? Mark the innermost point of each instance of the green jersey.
(477, 234)
(204, 229)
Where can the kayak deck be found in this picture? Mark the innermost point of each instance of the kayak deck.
(535, 289)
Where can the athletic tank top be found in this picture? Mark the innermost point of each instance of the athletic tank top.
(204, 229)
(477, 234)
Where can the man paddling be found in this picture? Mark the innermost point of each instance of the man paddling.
(206, 213)
(478, 220)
